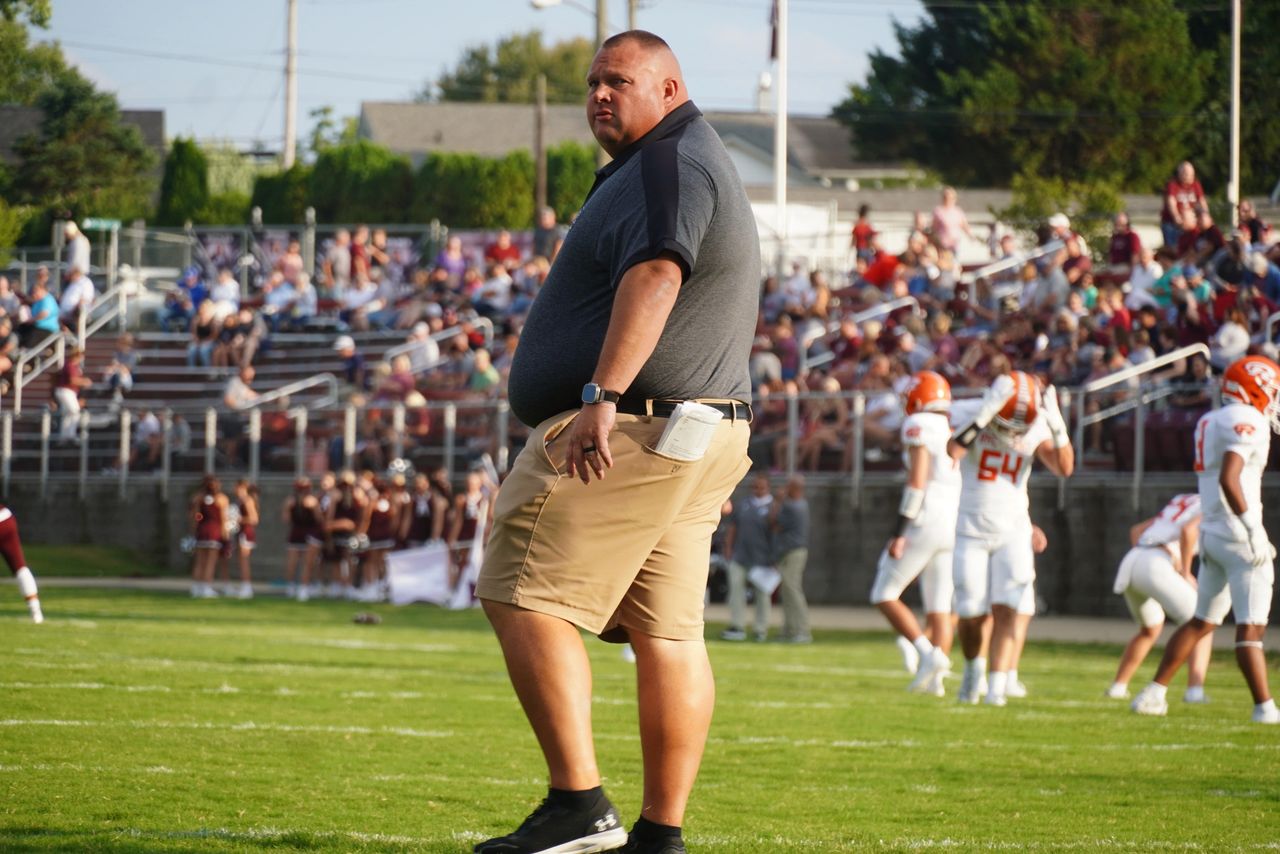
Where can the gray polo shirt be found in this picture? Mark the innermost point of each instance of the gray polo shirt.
(752, 537)
(793, 526)
(674, 190)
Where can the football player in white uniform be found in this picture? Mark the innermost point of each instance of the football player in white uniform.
(1156, 581)
(925, 535)
(996, 440)
(1237, 560)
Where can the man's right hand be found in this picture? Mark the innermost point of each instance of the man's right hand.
(897, 547)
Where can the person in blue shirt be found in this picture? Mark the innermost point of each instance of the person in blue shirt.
(1264, 276)
(44, 315)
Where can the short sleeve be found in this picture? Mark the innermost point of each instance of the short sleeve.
(672, 214)
(915, 432)
(1245, 435)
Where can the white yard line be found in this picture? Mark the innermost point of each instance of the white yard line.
(243, 726)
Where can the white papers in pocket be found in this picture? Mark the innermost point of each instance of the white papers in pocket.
(689, 431)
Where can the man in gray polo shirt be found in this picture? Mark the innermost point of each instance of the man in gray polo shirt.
(749, 543)
(651, 301)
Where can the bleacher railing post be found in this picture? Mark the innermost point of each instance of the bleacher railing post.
(299, 441)
(348, 437)
(7, 450)
(397, 431)
(504, 436)
(309, 242)
(859, 443)
(793, 430)
(255, 443)
(1139, 448)
(450, 436)
(83, 489)
(166, 446)
(46, 419)
(126, 443)
(210, 438)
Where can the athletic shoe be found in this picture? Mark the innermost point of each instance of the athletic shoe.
(246, 591)
(1195, 694)
(930, 670)
(1117, 691)
(1148, 702)
(910, 655)
(556, 829)
(759, 636)
(1266, 716)
(628, 654)
(733, 633)
(798, 639)
(661, 846)
(995, 700)
(290, 590)
(970, 690)
(1015, 690)
(37, 616)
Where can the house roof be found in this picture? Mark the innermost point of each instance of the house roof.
(817, 145)
(17, 122)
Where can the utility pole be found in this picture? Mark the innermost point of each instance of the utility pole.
(291, 87)
(632, 6)
(780, 137)
(1233, 180)
(540, 147)
(602, 21)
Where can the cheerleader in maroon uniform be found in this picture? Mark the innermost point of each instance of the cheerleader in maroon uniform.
(247, 537)
(470, 517)
(381, 517)
(11, 548)
(305, 523)
(427, 512)
(344, 522)
(209, 524)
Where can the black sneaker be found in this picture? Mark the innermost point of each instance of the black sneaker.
(666, 845)
(556, 829)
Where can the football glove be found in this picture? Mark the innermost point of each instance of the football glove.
(1260, 549)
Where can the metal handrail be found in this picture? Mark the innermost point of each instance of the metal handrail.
(1012, 262)
(1271, 324)
(483, 323)
(857, 317)
(118, 296)
(22, 377)
(325, 379)
(1145, 367)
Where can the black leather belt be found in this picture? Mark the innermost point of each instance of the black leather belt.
(663, 408)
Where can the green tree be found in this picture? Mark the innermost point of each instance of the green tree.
(13, 220)
(35, 11)
(1209, 27)
(361, 182)
(184, 189)
(327, 131)
(26, 69)
(571, 170)
(508, 71)
(83, 161)
(282, 195)
(984, 91)
(230, 208)
(469, 191)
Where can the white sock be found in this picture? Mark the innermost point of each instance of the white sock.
(1119, 687)
(923, 646)
(1268, 706)
(1013, 676)
(26, 583)
(996, 683)
(979, 665)
(1160, 691)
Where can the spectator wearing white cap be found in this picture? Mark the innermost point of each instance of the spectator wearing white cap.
(1263, 276)
(76, 252)
(353, 372)
(425, 351)
(1060, 227)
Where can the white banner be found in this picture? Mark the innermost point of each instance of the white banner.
(420, 575)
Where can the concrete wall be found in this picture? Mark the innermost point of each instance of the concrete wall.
(1086, 539)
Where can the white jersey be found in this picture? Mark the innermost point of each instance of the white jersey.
(1166, 529)
(994, 473)
(1243, 430)
(932, 431)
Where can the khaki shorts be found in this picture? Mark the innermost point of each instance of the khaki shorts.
(631, 551)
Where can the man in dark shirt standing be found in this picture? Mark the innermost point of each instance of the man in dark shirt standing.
(651, 301)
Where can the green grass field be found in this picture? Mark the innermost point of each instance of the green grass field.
(150, 722)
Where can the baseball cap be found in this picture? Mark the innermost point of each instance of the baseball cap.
(344, 342)
(1059, 220)
(1259, 264)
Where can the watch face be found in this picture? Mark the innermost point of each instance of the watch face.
(591, 393)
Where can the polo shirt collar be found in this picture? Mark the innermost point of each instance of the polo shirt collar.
(671, 122)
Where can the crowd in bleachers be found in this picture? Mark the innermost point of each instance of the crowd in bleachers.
(1051, 304)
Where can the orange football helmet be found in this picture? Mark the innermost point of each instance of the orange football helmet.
(1022, 407)
(928, 392)
(1255, 381)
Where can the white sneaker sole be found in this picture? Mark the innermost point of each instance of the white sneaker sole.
(596, 842)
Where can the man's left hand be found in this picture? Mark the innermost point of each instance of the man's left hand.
(588, 449)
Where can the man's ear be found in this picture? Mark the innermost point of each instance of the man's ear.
(670, 89)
